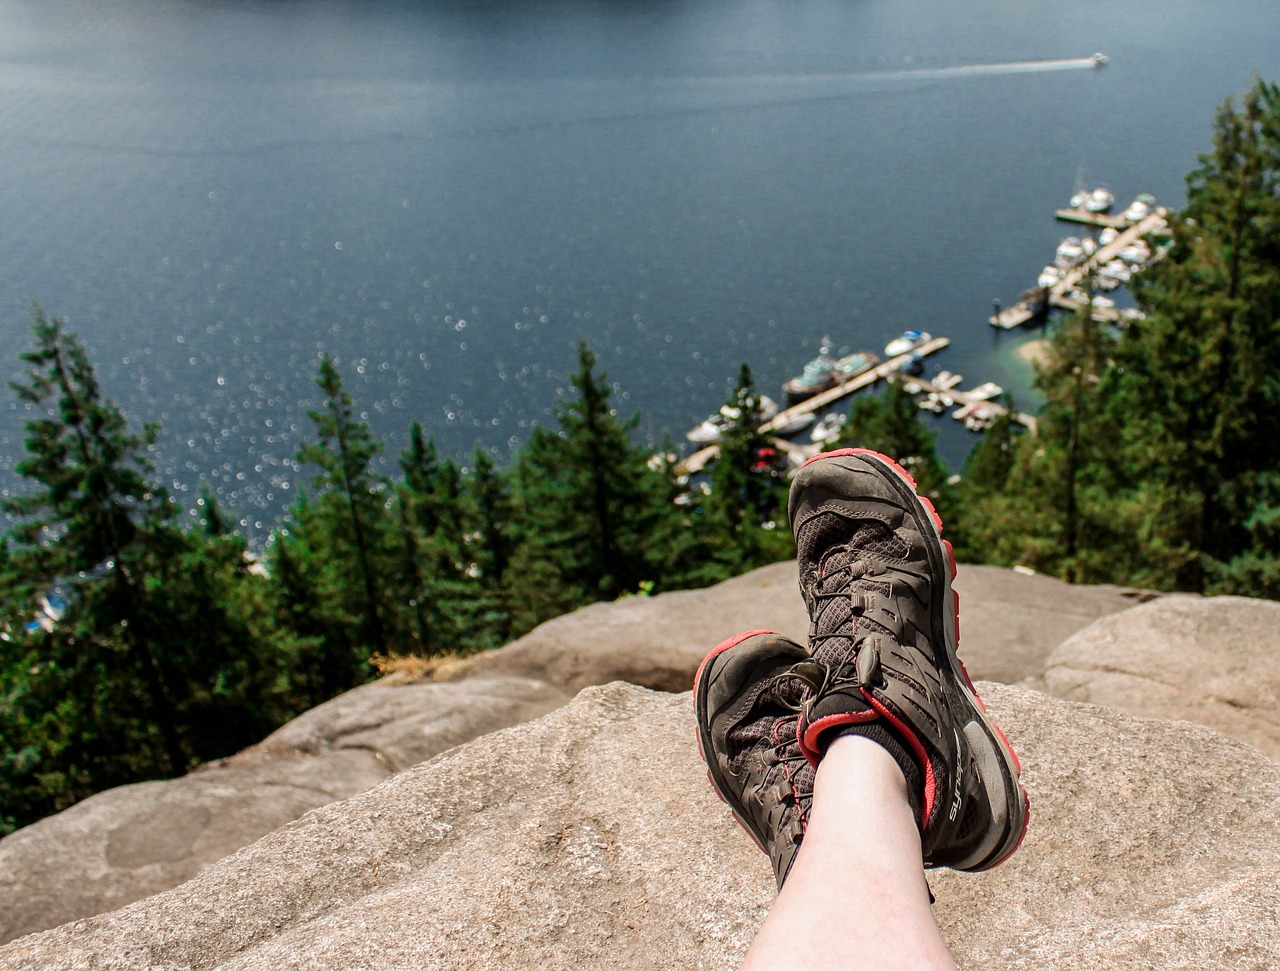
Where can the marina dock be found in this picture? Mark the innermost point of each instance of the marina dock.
(962, 398)
(701, 458)
(1020, 313)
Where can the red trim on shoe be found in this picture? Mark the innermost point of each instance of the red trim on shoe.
(809, 740)
(917, 749)
(719, 649)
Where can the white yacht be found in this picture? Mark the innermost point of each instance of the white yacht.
(909, 341)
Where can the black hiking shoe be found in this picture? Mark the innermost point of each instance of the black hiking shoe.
(876, 576)
(747, 704)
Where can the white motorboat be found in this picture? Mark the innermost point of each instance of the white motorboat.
(907, 342)
(1140, 208)
(1136, 253)
(1108, 236)
(1049, 277)
(1079, 199)
(710, 431)
(828, 428)
(1100, 59)
(946, 380)
(797, 423)
(1117, 270)
(1100, 199)
(985, 391)
(1070, 251)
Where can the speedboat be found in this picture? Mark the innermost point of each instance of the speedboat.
(710, 430)
(1069, 252)
(985, 391)
(818, 375)
(1117, 270)
(851, 365)
(828, 427)
(908, 342)
(1139, 209)
(1100, 59)
(1100, 199)
(1049, 277)
(797, 423)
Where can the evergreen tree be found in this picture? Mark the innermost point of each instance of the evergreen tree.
(350, 505)
(158, 654)
(584, 515)
(1202, 371)
(747, 505)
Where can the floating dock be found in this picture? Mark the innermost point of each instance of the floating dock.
(1020, 313)
(701, 458)
(962, 398)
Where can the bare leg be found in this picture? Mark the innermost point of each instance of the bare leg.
(856, 896)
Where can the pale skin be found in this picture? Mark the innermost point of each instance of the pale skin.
(856, 896)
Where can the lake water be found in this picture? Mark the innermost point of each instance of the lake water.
(446, 195)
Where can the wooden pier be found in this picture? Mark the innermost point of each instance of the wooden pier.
(701, 458)
(962, 398)
(1020, 313)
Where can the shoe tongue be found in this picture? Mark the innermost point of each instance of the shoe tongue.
(836, 623)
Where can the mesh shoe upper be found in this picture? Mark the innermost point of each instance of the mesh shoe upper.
(747, 706)
(876, 577)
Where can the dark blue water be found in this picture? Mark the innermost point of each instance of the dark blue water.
(445, 196)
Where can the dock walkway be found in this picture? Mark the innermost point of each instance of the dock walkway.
(1020, 313)
(962, 398)
(701, 458)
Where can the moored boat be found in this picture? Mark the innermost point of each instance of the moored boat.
(710, 430)
(851, 365)
(907, 342)
(818, 375)
(828, 428)
(1100, 199)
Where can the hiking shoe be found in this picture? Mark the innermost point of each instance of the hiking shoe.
(876, 576)
(747, 705)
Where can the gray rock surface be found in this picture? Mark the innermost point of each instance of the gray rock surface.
(1215, 661)
(127, 843)
(1010, 622)
(590, 839)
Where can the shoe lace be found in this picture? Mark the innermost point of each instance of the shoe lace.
(840, 599)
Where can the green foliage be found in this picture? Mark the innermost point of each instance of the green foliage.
(584, 505)
(746, 519)
(890, 423)
(158, 660)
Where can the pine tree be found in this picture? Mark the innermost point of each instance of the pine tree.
(350, 501)
(584, 515)
(1202, 371)
(747, 506)
(160, 653)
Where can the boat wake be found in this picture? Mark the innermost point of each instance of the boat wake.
(1006, 67)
